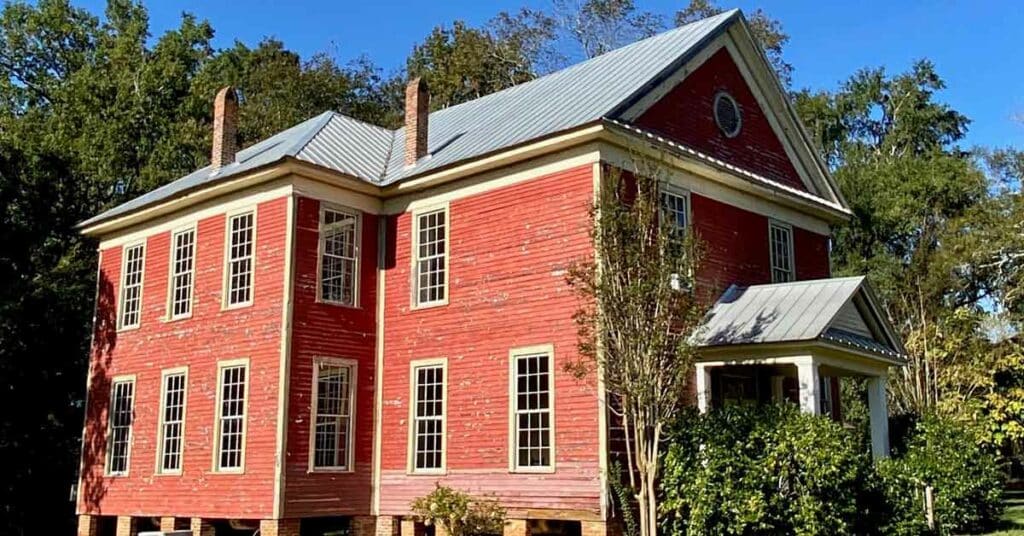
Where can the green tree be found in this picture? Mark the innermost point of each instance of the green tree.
(766, 31)
(462, 63)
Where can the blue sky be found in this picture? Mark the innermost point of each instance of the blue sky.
(976, 46)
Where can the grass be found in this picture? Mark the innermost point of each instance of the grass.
(1013, 517)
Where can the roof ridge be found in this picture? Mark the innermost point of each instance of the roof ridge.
(320, 121)
(724, 16)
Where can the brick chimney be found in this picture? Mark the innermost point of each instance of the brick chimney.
(417, 110)
(225, 128)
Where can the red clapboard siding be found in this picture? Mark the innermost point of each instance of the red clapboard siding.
(736, 247)
(325, 330)
(211, 334)
(685, 114)
(510, 249)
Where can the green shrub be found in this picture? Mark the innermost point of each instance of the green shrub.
(767, 470)
(459, 513)
(965, 477)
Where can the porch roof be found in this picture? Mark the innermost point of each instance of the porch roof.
(840, 311)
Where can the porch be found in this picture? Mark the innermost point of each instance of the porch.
(792, 342)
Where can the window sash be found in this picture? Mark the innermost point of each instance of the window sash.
(430, 280)
(781, 247)
(428, 418)
(533, 418)
(240, 258)
(131, 286)
(675, 206)
(183, 246)
(172, 422)
(332, 435)
(231, 417)
(121, 417)
(339, 252)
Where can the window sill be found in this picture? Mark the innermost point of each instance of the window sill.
(129, 328)
(167, 474)
(532, 470)
(173, 319)
(235, 306)
(339, 304)
(330, 471)
(229, 472)
(430, 305)
(427, 472)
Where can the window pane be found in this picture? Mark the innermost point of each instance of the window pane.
(131, 286)
(338, 259)
(781, 248)
(240, 258)
(121, 418)
(533, 410)
(332, 444)
(430, 278)
(182, 269)
(428, 419)
(173, 416)
(232, 416)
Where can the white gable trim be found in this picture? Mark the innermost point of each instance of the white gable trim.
(777, 109)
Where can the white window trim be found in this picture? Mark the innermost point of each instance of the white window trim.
(325, 206)
(414, 258)
(353, 366)
(513, 439)
(160, 471)
(226, 283)
(194, 227)
(221, 365)
(773, 224)
(123, 378)
(678, 191)
(411, 439)
(142, 285)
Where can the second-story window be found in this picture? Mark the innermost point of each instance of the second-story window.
(675, 206)
(780, 243)
(240, 258)
(430, 278)
(338, 256)
(428, 417)
(131, 286)
(172, 421)
(335, 386)
(121, 415)
(183, 252)
(231, 416)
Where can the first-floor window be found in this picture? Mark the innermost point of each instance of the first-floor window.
(780, 243)
(532, 418)
(335, 385)
(825, 386)
(172, 422)
(428, 417)
(121, 415)
(231, 416)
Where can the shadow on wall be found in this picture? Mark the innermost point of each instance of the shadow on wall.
(94, 444)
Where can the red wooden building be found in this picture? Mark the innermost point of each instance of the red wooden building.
(313, 331)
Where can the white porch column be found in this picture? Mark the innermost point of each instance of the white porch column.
(703, 388)
(810, 385)
(879, 411)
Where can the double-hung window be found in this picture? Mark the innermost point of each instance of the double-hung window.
(240, 258)
(183, 256)
(121, 414)
(231, 402)
(780, 243)
(172, 421)
(532, 416)
(339, 254)
(430, 257)
(131, 285)
(675, 208)
(428, 417)
(332, 434)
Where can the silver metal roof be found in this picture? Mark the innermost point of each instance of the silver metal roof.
(800, 311)
(563, 100)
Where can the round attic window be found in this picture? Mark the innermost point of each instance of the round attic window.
(727, 114)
